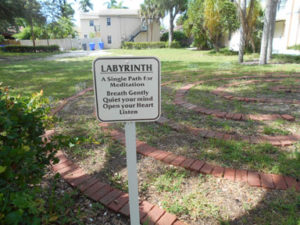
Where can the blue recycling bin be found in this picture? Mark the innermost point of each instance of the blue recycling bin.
(92, 46)
(101, 45)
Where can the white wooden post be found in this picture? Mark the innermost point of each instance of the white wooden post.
(132, 173)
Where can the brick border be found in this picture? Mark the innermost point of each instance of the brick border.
(108, 196)
(179, 100)
(96, 190)
(256, 179)
(64, 102)
(281, 140)
(117, 200)
(221, 91)
(289, 89)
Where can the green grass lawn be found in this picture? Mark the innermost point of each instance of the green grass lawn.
(63, 77)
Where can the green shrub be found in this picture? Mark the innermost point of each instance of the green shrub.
(24, 48)
(174, 44)
(295, 47)
(1, 38)
(24, 156)
(282, 58)
(178, 36)
(142, 45)
(224, 51)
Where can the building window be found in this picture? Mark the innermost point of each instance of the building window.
(108, 21)
(85, 36)
(281, 5)
(109, 39)
(91, 23)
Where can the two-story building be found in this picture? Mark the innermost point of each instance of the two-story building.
(113, 26)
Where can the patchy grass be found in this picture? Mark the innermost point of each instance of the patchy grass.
(281, 58)
(274, 131)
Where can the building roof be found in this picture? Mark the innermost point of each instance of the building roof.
(109, 12)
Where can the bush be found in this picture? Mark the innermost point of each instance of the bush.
(224, 51)
(23, 48)
(282, 58)
(178, 36)
(23, 156)
(295, 47)
(1, 38)
(174, 44)
(142, 45)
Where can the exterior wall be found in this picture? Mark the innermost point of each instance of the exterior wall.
(292, 21)
(85, 28)
(122, 28)
(152, 34)
(64, 44)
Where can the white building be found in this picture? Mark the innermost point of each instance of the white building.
(113, 26)
(287, 28)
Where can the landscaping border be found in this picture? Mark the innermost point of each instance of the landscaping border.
(179, 100)
(280, 140)
(117, 200)
(264, 180)
(221, 91)
(93, 188)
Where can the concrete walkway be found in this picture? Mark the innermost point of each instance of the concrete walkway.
(78, 53)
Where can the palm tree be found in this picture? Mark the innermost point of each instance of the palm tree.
(150, 12)
(112, 4)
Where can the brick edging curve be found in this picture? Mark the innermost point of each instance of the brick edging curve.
(221, 91)
(264, 180)
(280, 140)
(290, 89)
(118, 200)
(179, 100)
(95, 189)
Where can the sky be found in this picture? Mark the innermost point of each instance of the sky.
(100, 4)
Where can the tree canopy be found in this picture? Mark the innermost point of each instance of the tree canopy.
(113, 4)
(150, 12)
(208, 20)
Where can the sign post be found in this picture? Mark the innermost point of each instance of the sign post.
(127, 89)
(132, 172)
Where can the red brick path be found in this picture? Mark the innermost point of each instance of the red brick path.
(205, 133)
(110, 197)
(264, 180)
(117, 200)
(221, 91)
(179, 100)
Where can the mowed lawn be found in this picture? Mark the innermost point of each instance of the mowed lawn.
(194, 198)
(63, 77)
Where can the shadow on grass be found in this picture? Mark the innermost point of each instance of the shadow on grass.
(57, 78)
(114, 162)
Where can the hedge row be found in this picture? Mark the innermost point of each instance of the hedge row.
(41, 48)
(145, 45)
(295, 47)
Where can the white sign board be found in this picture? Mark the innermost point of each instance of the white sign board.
(127, 89)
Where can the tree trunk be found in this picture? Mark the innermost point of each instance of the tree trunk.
(171, 27)
(266, 32)
(32, 34)
(151, 25)
(242, 31)
(272, 29)
(252, 45)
